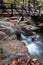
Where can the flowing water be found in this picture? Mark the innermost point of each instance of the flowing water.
(33, 42)
(35, 47)
(9, 30)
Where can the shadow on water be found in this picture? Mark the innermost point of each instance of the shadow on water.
(32, 42)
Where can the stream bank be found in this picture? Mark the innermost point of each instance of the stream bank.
(26, 42)
(28, 37)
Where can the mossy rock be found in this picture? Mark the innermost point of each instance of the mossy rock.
(7, 31)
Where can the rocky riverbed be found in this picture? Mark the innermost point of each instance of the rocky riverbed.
(9, 41)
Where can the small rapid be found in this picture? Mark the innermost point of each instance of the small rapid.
(33, 43)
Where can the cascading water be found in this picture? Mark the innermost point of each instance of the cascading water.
(4, 27)
(35, 47)
(33, 43)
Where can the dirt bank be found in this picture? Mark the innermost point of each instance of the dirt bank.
(13, 46)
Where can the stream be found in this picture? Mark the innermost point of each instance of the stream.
(33, 43)
(35, 47)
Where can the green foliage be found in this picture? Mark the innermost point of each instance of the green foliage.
(24, 2)
(8, 1)
(41, 3)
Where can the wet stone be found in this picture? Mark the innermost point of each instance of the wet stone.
(18, 34)
(2, 35)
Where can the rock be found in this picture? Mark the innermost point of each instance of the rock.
(41, 24)
(8, 31)
(13, 37)
(18, 34)
(27, 32)
(2, 35)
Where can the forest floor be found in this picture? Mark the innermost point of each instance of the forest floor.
(13, 46)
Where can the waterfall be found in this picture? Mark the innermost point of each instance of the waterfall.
(34, 47)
